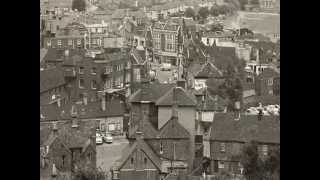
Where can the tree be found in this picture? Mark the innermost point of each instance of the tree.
(250, 160)
(79, 5)
(203, 12)
(214, 11)
(189, 12)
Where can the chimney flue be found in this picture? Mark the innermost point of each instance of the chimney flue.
(174, 103)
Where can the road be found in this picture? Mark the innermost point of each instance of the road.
(165, 76)
(107, 154)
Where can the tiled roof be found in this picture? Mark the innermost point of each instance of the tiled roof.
(248, 128)
(269, 73)
(51, 78)
(172, 129)
(70, 137)
(139, 144)
(151, 92)
(183, 98)
(209, 70)
(91, 110)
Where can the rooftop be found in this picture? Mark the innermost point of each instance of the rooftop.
(248, 128)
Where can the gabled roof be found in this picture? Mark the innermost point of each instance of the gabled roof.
(139, 144)
(150, 92)
(51, 78)
(91, 110)
(209, 70)
(248, 128)
(184, 98)
(172, 129)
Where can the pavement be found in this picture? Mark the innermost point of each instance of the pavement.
(108, 154)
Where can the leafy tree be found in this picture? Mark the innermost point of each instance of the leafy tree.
(89, 174)
(189, 13)
(79, 5)
(250, 160)
(214, 11)
(203, 12)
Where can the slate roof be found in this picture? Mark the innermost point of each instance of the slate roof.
(268, 73)
(91, 110)
(151, 92)
(209, 70)
(172, 129)
(70, 137)
(139, 144)
(248, 128)
(184, 98)
(51, 78)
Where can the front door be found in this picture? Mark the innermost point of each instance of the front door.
(215, 166)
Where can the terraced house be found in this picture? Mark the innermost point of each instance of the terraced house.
(167, 41)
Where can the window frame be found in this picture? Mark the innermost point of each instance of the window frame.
(221, 165)
(81, 87)
(264, 149)
(94, 71)
(59, 42)
(94, 83)
(222, 147)
(81, 70)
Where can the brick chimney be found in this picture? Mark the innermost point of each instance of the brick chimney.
(181, 83)
(54, 128)
(85, 98)
(175, 103)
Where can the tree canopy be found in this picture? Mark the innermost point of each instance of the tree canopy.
(189, 12)
(203, 12)
(79, 5)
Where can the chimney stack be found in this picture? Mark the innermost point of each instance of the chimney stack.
(58, 100)
(174, 103)
(85, 99)
(181, 83)
(54, 127)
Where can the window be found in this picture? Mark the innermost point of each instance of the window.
(94, 71)
(161, 148)
(81, 83)
(49, 43)
(271, 92)
(59, 42)
(137, 74)
(221, 165)
(145, 160)
(81, 69)
(93, 84)
(58, 27)
(70, 42)
(222, 147)
(265, 150)
(79, 42)
(132, 160)
(270, 82)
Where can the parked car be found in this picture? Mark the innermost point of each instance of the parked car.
(108, 138)
(99, 139)
(165, 67)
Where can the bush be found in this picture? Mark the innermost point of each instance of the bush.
(79, 5)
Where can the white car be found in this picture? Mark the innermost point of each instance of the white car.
(108, 138)
(99, 139)
(166, 67)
